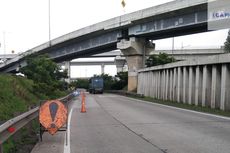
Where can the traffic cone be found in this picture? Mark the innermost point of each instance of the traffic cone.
(83, 110)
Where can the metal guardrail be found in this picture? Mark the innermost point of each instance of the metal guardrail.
(11, 126)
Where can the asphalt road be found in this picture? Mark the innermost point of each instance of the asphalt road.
(116, 124)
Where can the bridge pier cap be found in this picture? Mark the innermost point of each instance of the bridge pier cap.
(135, 51)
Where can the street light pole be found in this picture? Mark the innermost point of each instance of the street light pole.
(49, 23)
(172, 47)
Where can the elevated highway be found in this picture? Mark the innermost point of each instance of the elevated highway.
(171, 19)
(131, 33)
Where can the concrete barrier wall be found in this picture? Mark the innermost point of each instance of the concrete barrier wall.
(203, 82)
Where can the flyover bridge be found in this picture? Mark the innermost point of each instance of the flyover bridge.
(131, 33)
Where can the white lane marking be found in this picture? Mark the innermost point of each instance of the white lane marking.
(67, 147)
(192, 111)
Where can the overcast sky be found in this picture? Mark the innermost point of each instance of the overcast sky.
(24, 23)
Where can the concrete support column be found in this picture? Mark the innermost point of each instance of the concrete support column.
(179, 85)
(225, 87)
(135, 50)
(151, 84)
(206, 87)
(158, 84)
(198, 86)
(170, 84)
(215, 91)
(167, 85)
(102, 68)
(120, 62)
(163, 83)
(185, 84)
(191, 86)
(67, 67)
(174, 84)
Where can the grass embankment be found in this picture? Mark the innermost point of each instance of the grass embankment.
(184, 106)
(17, 96)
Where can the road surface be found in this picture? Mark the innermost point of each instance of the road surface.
(117, 124)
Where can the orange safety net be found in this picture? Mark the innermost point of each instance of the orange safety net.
(53, 115)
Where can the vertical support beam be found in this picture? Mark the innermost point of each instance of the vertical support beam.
(185, 84)
(179, 84)
(102, 68)
(225, 88)
(151, 84)
(198, 86)
(167, 85)
(206, 91)
(213, 90)
(158, 84)
(174, 84)
(171, 84)
(163, 83)
(67, 67)
(191, 86)
(139, 83)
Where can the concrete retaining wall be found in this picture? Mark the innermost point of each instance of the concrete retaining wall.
(203, 81)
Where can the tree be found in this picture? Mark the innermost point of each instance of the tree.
(227, 43)
(160, 59)
(45, 73)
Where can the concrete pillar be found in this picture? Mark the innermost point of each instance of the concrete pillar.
(198, 86)
(215, 88)
(167, 85)
(170, 84)
(225, 87)
(179, 85)
(134, 50)
(67, 67)
(120, 62)
(151, 84)
(158, 84)
(185, 85)
(155, 84)
(139, 83)
(191, 89)
(206, 86)
(174, 84)
(163, 83)
(102, 68)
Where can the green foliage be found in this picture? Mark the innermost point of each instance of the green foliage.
(114, 83)
(16, 96)
(46, 75)
(80, 83)
(227, 43)
(121, 81)
(160, 59)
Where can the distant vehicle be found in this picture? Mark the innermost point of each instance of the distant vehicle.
(96, 85)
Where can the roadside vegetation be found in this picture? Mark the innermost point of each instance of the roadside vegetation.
(119, 82)
(183, 105)
(162, 58)
(43, 80)
(227, 43)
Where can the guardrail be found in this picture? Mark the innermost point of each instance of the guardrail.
(11, 126)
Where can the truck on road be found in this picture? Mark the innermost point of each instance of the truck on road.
(96, 85)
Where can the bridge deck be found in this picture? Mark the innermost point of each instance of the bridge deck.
(116, 124)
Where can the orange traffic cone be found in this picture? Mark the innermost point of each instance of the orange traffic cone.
(83, 110)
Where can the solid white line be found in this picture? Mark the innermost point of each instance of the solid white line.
(67, 147)
(172, 107)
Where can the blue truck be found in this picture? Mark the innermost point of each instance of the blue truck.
(96, 85)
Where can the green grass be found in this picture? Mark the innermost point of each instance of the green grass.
(17, 95)
(184, 106)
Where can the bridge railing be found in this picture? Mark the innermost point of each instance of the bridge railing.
(11, 126)
(201, 81)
